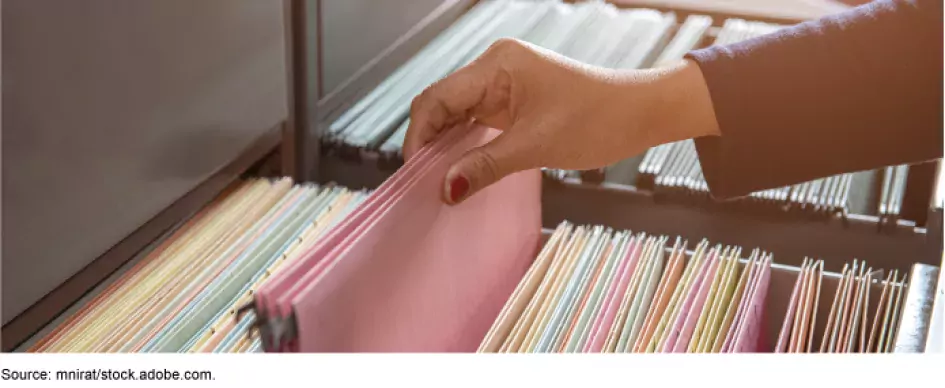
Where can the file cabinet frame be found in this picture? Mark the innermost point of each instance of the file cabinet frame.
(297, 148)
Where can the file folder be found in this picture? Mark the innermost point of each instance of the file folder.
(407, 273)
(597, 290)
(183, 295)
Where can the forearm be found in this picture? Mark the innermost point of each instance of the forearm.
(846, 93)
(681, 105)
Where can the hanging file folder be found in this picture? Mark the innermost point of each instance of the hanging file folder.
(405, 272)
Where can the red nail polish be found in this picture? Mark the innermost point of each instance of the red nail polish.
(458, 188)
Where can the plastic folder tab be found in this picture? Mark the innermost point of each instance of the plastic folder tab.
(406, 273)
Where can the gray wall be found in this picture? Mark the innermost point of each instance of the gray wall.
(112, 110)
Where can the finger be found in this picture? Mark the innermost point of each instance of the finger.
(478, 91)
(482, 166)
(444, 104)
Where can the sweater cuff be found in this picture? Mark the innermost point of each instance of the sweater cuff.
(711, 149)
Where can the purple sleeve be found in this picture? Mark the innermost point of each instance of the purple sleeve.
(851, 92)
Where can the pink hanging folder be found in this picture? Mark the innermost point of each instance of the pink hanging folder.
(748, 339)
(286, 278)
(406, 273)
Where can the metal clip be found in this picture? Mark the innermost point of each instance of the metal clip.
(278, 331)
(258, 319)
(242, 310)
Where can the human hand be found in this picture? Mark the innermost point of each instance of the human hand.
(556, 112)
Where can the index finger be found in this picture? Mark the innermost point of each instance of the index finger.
(444, 104)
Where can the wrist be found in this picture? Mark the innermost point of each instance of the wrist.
(682, 105)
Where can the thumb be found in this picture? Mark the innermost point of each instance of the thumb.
(479, 168)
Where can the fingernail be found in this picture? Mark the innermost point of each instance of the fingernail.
(458, 188)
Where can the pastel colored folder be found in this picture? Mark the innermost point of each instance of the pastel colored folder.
(611, 301)
(688, 326)
(516, 305)
(684, 322)
(788, 324)
(747, 335)
(407, 273)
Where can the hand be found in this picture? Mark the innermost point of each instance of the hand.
(556, 112)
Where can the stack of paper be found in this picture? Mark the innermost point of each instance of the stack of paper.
(404, 272)
(859, 321)
(182, 296)
(593, 289)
